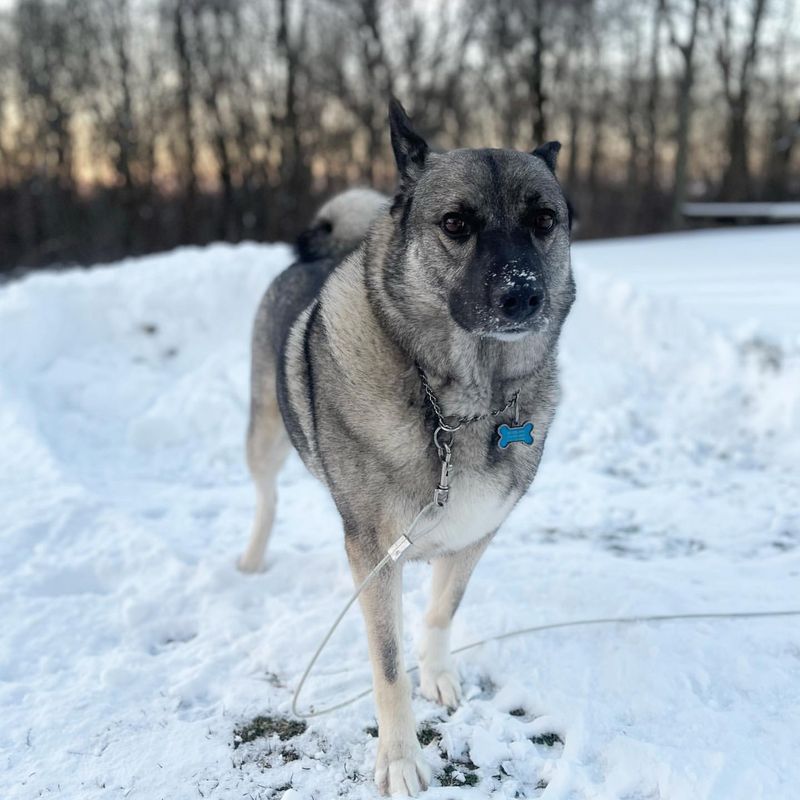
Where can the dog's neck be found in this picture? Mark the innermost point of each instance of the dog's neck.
(474, 374)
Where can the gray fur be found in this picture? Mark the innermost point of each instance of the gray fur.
(344, 377)
(340, 225)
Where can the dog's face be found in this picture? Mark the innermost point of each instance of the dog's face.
(486, 234)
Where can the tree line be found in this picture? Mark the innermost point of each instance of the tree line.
(128, 126)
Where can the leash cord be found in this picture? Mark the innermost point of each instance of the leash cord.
(401, 545)
(392, 554)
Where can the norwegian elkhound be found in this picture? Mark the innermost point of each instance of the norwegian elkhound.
(435, 339)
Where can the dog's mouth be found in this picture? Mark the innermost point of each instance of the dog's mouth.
(492, 328)
(511, 335)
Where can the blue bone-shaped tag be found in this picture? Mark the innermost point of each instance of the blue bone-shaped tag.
(509, 435)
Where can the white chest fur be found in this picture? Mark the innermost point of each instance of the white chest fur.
(476, 507)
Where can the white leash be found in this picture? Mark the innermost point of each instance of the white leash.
(396, 551)
(392, 554)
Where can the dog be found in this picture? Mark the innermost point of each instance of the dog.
(424, 362)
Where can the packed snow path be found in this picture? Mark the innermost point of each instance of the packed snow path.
(136, 662)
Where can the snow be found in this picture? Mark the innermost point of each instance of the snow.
(130, 647)
(746, 281)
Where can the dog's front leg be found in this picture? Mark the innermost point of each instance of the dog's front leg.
(400, 767)
(438, 675)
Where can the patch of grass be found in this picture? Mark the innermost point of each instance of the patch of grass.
(518, 712)
(541, 785)
(289, 754)
(427, 734)
(458, 775)
(547, 739)
(261, 727)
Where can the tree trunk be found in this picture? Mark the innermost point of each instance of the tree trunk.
(682, 143)
(185, 102)
(736, 184)
(779, 159)
(536, 77)
(685, 109)
(653, 98)
(293, 167)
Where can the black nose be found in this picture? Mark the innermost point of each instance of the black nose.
(519, 301)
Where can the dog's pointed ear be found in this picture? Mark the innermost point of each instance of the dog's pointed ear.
(410, 149)
(549, 154)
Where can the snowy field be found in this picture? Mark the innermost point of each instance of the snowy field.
(134, 657)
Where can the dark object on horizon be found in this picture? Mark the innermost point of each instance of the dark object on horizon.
(742, 213)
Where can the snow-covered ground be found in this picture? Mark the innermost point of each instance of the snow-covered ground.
(131, 650)
(744, 280)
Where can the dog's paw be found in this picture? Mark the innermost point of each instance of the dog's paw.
(250, 565)
(401, 769)
(440, 685)
(438, 675)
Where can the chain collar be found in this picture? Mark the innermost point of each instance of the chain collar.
(462, 421)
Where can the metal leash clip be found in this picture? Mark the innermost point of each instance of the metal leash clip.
(442, 492)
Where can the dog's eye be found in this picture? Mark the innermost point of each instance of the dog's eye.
(544, 220)
(456, 226)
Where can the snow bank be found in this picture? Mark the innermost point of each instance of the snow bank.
(131, 649)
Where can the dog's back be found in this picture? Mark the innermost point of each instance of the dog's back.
(288, 295)
(337, 229)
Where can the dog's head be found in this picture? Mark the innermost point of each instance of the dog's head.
(485, 234)
(340, 225)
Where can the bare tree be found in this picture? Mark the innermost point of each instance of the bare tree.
(633, 87)
(686, 49)
(576, 67)
(784, 125)
(737, 72)
(179, 13)
(653, 107)
(134, 126)
(294, 166)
